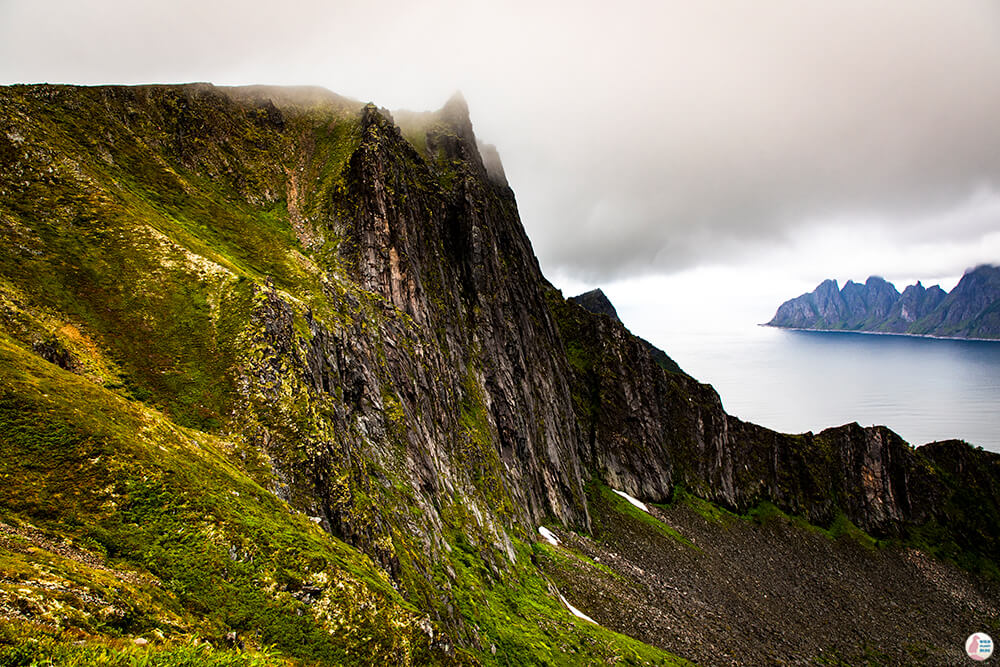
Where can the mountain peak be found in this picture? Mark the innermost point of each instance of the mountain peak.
(876, 306)
(493, 164)
(597, 302)
(457, 102)
(455, 113)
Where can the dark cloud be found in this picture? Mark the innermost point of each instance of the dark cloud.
(640, 137)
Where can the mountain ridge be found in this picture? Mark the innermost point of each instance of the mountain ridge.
(339, 318)
(970, 311)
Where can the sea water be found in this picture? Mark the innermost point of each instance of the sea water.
(796, 381)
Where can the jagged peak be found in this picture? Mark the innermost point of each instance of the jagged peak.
(371, 112)
(597, 302)
(455, 114)
(493, 164)
(828, 286)
(457, 104)
(379, 421)
(449, 130)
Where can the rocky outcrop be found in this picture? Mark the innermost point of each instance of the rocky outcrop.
(438, 350)
(596, 302)
(971, 310)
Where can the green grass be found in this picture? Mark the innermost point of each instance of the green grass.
(29, 645)
(151, 497)
(150, 249)
(707, 510)
(939, 541)
(766, 512)
(599, 492)
(478, 453)
(572, 558)
(527, 625)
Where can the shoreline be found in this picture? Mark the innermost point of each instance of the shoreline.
(881, 333)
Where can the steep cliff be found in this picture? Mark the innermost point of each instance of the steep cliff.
(595, 301)
(649, 430)
(287, 364)
(971, 310)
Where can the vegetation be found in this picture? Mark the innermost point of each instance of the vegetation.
(607, 503)
(235, 411)
(526, 624)
(161, 254)
(207, 550)
(28, 645)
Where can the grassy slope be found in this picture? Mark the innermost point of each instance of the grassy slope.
(135, 250)
(134, 526)
(141, 242)
(210, 549)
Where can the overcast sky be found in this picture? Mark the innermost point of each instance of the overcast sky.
(744, 149)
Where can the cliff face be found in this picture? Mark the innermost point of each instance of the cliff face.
(969, 311)
(364, 320)
(649, 430)
(340, 312)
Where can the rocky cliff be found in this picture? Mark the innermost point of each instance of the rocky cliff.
(284, 366)
(971, 310)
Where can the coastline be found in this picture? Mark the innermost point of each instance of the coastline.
(880, 333)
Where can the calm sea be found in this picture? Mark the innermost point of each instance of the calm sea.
(796, 381)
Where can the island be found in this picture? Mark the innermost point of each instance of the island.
(970, 311)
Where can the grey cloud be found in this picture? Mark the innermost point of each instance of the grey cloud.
(800, 115)
(641, 137)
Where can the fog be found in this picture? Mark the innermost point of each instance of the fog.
(772, 143)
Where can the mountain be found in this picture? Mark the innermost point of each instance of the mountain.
(597, 302)
(281, 382)
(971, 310)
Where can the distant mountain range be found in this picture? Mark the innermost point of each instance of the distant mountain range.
(971, 310)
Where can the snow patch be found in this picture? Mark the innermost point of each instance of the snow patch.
(638, 503)
(548, 535)
(576, 612)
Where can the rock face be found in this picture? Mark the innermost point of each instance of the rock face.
(596, 302)
(650, 430)
(971, 310)
(344, 304)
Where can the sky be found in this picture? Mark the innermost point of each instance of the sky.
(700, 161)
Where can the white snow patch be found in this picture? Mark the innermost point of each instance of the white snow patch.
(576, 612)
(638, 503)
(548, 535)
